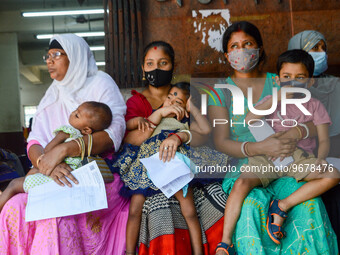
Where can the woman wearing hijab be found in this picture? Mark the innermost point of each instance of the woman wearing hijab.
(326, 87)
(75, 79)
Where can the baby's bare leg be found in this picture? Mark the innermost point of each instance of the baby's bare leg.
(13, 188)
(188, 210)
(32, 171)
(134, 221)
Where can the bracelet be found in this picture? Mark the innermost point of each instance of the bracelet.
(300, 132)
(78, 145)
(153, 125)
(39, 159)
(306, 128)
(243, 145)
(189, 133)
(82, 143)
(246, 149)
(180, 139)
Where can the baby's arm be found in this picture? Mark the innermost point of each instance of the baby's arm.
(58, 139)
(324, 143)
(134, 123)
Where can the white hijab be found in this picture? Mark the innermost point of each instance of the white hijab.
(82, 65)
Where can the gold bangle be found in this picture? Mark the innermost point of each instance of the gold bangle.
(82, 143)
(78, 146)
(39, 159)
(300, 132)
(246, 149)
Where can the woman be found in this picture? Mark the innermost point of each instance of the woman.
(327, 89)
(75, 79)
(163, 229)
(243, 48)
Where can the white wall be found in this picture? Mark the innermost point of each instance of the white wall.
(31, 94)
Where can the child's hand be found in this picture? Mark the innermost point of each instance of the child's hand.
(174, 110)
(187, 106)
(321, 163)
(143, 124)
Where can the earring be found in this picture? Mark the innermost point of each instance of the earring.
(143, 79)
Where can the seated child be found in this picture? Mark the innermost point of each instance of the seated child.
(295, 68)
(162, 124)
(89, 117)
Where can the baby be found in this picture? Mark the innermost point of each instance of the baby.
(88, 118)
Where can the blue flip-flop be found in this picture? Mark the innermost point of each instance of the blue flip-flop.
(228, 249)
(274, 229)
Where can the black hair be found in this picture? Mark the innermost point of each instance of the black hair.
(249, 29)
(55, 45)
(296, 56)
(189, 91)
(102, 115)
(184, 86)
(165, 46)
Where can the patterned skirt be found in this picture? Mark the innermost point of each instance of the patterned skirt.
(164, 230)
(134, 174)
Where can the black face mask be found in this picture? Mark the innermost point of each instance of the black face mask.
(158, 78)
(295, 84)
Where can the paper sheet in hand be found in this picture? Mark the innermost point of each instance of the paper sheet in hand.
(50, 200)
(169, 177)
(261, 133)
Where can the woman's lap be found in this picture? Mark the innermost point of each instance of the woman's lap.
(307, 226)
(163, 228)
(99, 232)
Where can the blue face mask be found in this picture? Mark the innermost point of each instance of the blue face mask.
(295, 84)
(320, 61)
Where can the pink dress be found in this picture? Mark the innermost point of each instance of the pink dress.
(98, 232)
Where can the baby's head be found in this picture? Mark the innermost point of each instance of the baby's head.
(178, 94)
(295, 68)
(90, 117)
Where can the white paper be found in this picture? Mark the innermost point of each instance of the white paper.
(50, 200)
(261, 133)
(169, 177)
(334, 162)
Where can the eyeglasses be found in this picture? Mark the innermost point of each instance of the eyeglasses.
(53, 56)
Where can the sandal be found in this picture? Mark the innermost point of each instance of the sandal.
(228, 249)
(274, 229)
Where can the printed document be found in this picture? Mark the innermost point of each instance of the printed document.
(169, 177)
(50, 200)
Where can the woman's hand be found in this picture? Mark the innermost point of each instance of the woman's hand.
(60, 172)
(51, 159)
(274, 146)
(168, 148)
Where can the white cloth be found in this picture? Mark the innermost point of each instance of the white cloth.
(82, 82)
